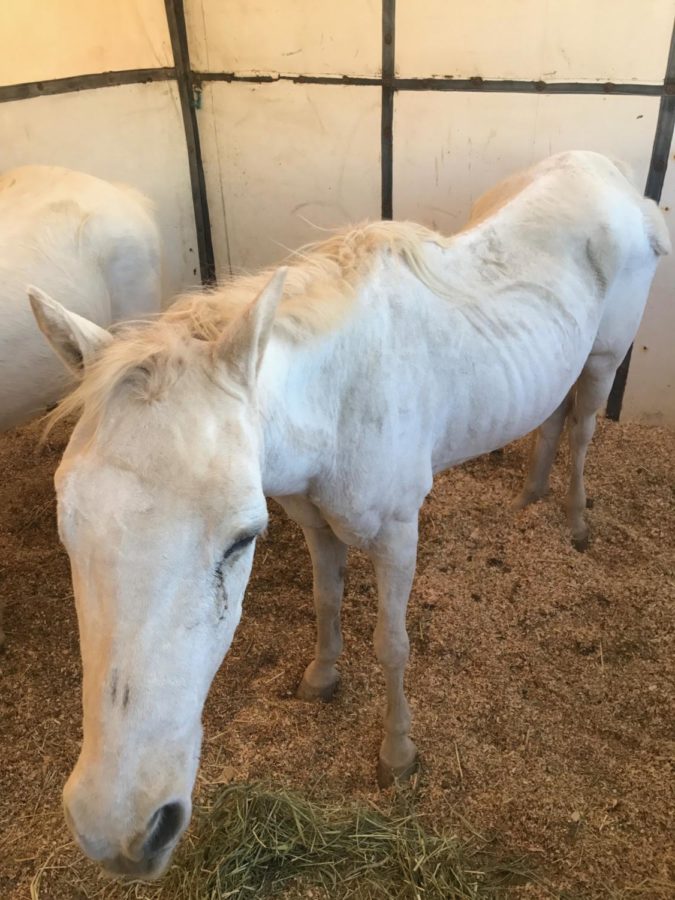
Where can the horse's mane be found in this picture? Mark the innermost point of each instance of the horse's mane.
(318, 293)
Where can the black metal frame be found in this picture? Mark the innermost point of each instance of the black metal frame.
(387, 120)
(189, 83)
(32, 89)
(175, 14)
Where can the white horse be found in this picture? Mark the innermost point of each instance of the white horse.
(387, 354)
(93, 245)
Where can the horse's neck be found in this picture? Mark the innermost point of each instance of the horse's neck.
(293, 407)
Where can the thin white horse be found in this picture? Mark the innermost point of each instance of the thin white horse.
(388, 354)
(92, 245)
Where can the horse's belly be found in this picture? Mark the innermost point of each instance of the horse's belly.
(506, 390)
(30, 384)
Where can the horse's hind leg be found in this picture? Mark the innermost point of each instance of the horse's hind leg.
(544, 447)
(329, 557)
(393, 555)
(590, 393)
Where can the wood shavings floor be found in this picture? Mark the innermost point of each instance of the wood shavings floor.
(541, 679)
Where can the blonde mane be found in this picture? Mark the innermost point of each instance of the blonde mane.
(318, 293)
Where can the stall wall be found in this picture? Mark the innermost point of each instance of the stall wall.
(284, 159)
(307, 37)
(301, 159)
(547, 40)
(43, 39)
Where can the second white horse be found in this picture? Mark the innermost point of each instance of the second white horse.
(94, 246)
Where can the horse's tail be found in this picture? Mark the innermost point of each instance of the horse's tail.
(655, 223)
(656, 228)
(625, 168)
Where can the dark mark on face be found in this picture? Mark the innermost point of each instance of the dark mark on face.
(113, 686)
(221, 592)
(219, 574)
(125, 698)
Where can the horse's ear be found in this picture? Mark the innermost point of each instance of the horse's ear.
(74, 338)
(244, 342)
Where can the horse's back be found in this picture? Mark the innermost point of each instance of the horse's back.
(115, 221)
(557, 260)
(92, 245)
(576, 191)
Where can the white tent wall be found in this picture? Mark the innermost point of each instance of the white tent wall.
(458, 144)
(300, 158)
(289, 98)
(283, 160)
(132, 133)
(548, 40)
(44, 39)
(307, 37)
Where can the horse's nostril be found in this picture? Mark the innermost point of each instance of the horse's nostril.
(163, 827)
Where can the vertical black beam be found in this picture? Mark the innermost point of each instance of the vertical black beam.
(175, 14)
(387, 132)
(663, 138)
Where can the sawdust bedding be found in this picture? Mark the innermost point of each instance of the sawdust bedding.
(541, 679)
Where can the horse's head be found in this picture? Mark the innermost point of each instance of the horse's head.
(160, 501)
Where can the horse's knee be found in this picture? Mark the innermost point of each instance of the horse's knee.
(582, 429)
(392, 648)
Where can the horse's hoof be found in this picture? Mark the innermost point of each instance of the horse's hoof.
(580, 543)
(311, 693)
(388, 775)
(525, 498)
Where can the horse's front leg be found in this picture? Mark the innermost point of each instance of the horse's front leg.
(394, 554)
(329, 557)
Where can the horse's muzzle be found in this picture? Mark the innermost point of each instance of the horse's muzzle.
(147, 854)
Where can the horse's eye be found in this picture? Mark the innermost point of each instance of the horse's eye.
(239, 545)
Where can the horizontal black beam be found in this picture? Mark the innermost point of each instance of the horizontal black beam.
(393, 83)
(83, 83)
(200, 77)
(471, 85)
(507, 86)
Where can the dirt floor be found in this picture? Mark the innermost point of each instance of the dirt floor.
(541, 679)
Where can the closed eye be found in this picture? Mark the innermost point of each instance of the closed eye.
(239, 545)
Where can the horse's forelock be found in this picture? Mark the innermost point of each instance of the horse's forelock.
(148, 360)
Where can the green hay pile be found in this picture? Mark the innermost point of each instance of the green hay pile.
(256, 842)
